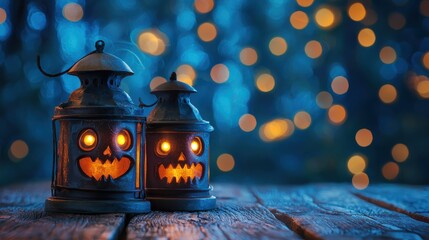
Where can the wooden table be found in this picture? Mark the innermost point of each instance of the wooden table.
(316, 211)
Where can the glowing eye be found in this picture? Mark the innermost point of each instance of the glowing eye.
(196, 145)
(88, 140)
(123, 139)
(163, 148)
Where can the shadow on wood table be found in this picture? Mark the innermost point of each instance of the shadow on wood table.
(316, 211)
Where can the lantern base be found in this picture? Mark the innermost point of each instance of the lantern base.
(182, 204)
(63, 205)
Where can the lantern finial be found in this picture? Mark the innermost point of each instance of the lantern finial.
(173, 76)
(99, 46)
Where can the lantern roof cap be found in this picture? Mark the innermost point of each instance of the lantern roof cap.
(174, 85)
(100, 61)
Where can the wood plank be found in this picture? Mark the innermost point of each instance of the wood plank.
(22, 217)
(325, 211)
(238, 216)
(410, 200)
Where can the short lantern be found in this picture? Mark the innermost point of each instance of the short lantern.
(177, 151)
(98, 142)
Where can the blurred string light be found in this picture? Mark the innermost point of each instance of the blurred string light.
(327, 17)
(73, 12)
(265, 82)
(425, 60)
(313, 49)
(5, 28)
(156, 81)
(248, 56)
(324, 100)
(276, 130)
(152, 42)
(299, 20)
(302, 120)
(387, 93)
(207, 32)
(225, 162)
(3, 15)
(340, 85)
(203, 6)
(387, 55)
(396, 21)
(356, 164)
(18, 150)
(424, 8)
(370, 17)
(304, 3)
(400, 152)
(357, 11)
(364, 137)
(390, 170)
(360, 181)
(278, 46)
(36, 19)
(186, 73)
(337, 114)
(247, 122)
(219, 73)
(366, 37)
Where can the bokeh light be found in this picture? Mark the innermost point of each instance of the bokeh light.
(73, 12)
(324, 99)
(360, 181)
(387, 93)
(203, 6)
(302, 120)
(219, 73)
(325, 17)
(356, 164)
(247, 122)
(225, 162)
(152, 42)
(387, 55)
(424, 8)
(357, 11)
(366, 37)
(18, 150)
(390, 170)
(396, 21)
(265, 82)
(313, 49)
(186, 73)
(400, 152)
(207, 32)
(3, 15)
(425, 60)
(340, 85)
(364, 137)
(337, 114)
(156, 81)
(304, 3)
(299, 20)
(248, 56)
(278, 46)
(276, 130)
(423, 88)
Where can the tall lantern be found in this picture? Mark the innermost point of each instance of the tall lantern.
(177, 151)
(98, 142)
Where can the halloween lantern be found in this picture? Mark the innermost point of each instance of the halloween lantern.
(98, 142)
(177, 151)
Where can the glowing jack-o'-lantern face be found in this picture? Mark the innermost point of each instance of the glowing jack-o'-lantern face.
(184, 169)
(108, 166)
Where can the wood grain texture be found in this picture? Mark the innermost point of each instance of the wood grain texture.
(22, 217)
(410, 200)
(331, 211)
(238, 216)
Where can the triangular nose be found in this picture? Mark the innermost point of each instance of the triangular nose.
(182, 157)
(107, 151)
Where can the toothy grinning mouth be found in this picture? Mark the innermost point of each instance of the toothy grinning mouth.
(97, 169)
(185, 172)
